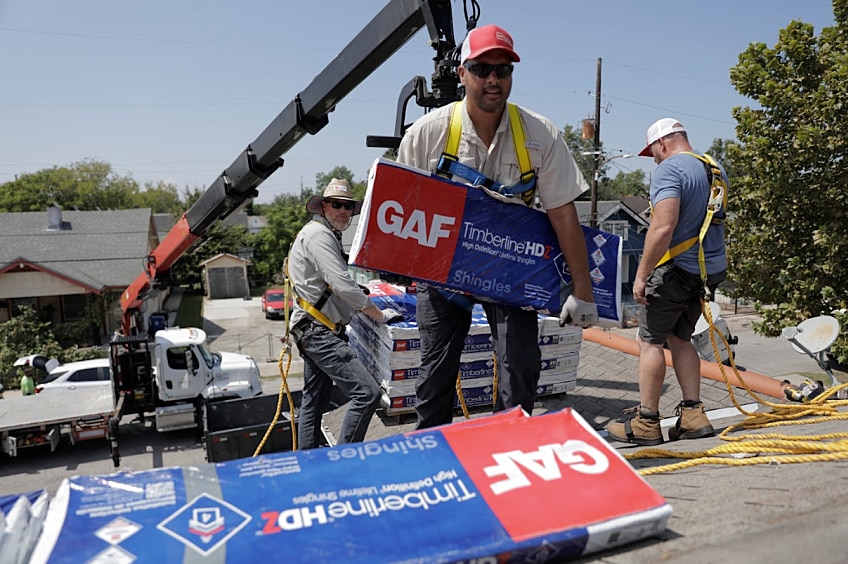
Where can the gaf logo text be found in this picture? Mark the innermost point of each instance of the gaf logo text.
(545, 463)
(391, 219)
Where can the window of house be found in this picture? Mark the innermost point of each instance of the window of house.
(73, 306)
(18, 303)
(618, 227)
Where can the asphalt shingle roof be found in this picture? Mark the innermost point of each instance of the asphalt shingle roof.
(100, 249)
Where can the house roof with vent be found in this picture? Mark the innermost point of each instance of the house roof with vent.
(605, 209)
(96, 249)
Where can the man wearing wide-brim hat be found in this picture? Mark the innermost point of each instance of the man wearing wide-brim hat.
(327, 298)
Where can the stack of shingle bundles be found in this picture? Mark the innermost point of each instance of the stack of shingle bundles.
(392, 354)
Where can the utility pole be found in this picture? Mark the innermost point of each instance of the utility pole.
(596, 154)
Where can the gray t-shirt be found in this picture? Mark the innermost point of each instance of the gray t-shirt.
(684, 177)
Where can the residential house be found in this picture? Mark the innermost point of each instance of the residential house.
(56, 261)
(629, 219)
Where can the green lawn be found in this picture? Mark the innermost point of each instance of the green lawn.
(190, 312)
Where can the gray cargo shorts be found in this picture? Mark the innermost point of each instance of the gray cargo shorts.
(674, 303)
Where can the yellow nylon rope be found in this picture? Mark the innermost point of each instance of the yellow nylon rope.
(284, 384)
(748, 450)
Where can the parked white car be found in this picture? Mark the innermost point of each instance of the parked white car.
(85, 374)
(82, 375)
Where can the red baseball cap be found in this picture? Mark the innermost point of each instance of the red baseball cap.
(484, 39)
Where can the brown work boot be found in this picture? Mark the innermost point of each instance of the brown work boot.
(692, 422)
(643, 429)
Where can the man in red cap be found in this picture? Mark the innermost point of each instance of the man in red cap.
(487, 145)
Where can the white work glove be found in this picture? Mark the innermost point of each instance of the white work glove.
(577, 312)
(391, 316)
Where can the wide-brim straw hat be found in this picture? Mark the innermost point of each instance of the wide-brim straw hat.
(337, 189)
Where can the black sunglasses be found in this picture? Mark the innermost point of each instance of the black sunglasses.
(483, 70)
(337, 205)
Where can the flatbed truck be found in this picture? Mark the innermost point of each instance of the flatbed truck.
(45, 419)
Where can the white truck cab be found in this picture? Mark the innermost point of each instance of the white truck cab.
(185, 369)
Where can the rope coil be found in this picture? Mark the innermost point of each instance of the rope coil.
(783, 449)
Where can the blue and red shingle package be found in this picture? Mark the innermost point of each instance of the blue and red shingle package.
(507, 486)
(464, 239)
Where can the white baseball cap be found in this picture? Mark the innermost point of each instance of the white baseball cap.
(658, 130)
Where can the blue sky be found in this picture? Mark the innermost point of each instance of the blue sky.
(174, 91)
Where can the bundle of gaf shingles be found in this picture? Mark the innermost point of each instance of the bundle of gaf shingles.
(392, 353)
(496, 488)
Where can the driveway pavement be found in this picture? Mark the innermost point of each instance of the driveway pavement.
(772, 512)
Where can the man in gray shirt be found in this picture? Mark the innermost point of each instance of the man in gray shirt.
(326, 299)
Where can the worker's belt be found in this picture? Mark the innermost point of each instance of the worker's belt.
(450, 167)
(687, 280)
(297, 331)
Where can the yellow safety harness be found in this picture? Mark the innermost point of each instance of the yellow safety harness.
(449, 164)
(716, 203)
(526, 189)
(315, 312)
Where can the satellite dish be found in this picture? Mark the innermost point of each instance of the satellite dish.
(816, 334)
(701, 337)
(702, 326)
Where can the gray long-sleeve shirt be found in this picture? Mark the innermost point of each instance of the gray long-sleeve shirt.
(316, 260)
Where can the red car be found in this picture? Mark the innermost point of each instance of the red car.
(274, 303)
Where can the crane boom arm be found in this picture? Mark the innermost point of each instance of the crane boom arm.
(308, 113)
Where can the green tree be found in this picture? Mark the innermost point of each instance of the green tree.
(285, 215)
(190, 196)
(727, 153)
(161, 197)
(581, 149)
(86, 185)
(787, 237)
(609, 188)
(20, 336)
(623, 184)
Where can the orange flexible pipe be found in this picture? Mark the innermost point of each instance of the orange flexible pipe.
(757, 382)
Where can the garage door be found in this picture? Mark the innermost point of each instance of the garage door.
(227, 282)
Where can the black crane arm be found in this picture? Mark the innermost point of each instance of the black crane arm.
(308, 113)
